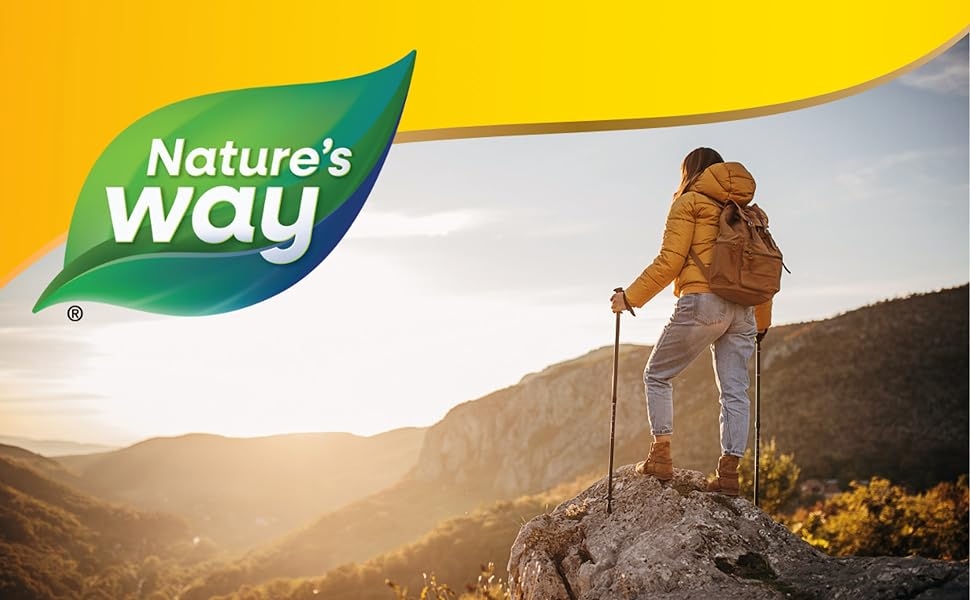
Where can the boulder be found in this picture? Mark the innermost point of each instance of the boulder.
(674, 540)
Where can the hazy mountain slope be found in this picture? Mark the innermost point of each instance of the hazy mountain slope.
(58, 543)
(453, 551)
(244, 491)
(354, 533)
(46, 466)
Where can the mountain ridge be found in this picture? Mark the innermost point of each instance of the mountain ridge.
(52, 448)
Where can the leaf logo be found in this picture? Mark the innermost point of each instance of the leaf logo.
(218, 202)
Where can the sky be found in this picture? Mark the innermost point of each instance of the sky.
(475, 262)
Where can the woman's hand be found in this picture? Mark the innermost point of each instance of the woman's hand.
(618, 302)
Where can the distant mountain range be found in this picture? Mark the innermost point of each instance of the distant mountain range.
(239, 492)
(51, 448)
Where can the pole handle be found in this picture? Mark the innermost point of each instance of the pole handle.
(625, 301)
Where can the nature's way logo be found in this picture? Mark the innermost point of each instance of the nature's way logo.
(219, 202)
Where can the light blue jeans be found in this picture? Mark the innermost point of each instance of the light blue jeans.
(703, 320)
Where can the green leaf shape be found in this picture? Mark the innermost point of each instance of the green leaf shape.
(359, 113)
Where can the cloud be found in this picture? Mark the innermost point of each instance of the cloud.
(382, 225)
(882, 175)
(948, 74)
(563, 229)
(865, 173)
(41, 355)
(33, 409)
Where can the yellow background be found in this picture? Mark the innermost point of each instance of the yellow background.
(77, 73)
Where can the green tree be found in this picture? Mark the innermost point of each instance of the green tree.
(778, 477)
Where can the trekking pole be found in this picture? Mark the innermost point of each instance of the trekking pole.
(616, 370)
(757, 417)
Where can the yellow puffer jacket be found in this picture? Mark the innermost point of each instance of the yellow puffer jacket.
(693, 222)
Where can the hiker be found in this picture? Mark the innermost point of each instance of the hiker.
(701, 319)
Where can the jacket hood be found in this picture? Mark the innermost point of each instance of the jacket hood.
(725, 182)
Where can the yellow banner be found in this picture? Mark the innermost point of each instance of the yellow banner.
(77, 73)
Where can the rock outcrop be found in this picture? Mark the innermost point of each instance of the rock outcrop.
(675, 541)
(544, 431)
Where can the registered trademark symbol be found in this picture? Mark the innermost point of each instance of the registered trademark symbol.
(75, 313)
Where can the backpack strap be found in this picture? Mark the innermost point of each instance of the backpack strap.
(700, 265)
(697, 259)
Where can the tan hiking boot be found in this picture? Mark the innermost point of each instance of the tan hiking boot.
(726, 481)
(658, 462)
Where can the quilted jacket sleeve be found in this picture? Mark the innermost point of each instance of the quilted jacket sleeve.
(678, 235)
(762, 315)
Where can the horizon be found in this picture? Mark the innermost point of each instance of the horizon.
(478, 261)
(108, 447)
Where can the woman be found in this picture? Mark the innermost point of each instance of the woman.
(702, 319)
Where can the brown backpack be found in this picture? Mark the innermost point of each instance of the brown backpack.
(747, 263)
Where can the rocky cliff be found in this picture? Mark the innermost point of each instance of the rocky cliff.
(844, 394)
(547, 429)
(675, 541)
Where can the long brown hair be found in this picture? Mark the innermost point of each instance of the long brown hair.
(694, 164)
